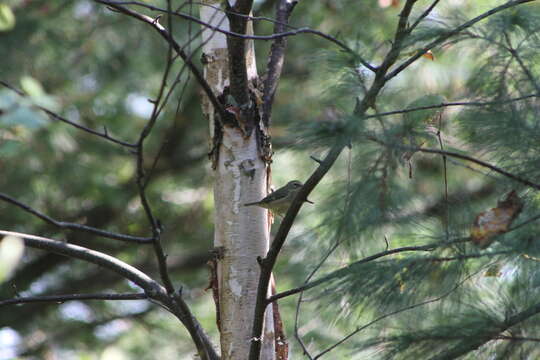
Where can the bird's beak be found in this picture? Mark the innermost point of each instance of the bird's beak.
(309, 201)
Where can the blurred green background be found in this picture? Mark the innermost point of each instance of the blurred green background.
(98, 68)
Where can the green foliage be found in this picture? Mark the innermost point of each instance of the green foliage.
(438, 293)
(375, 206)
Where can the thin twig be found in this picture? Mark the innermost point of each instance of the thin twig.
(182, 92)
(521, 64)
(474, 342)
(318, 161)
(295, 31)
(445, 176)
(105, 135)
(524, 223)
(167, 36)
(74, 226)
(481, 163)
(516, 338)
(449, 104)
(424, 14)
(473, 169)
(73, 297)
(140, 175)
(382, 317)
(300, 298)
(309, 285)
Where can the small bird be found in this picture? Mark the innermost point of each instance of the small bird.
(279, 201)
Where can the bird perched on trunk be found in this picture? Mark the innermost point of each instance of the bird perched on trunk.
(279, 201)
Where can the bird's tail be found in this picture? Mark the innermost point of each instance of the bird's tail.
(252, 203)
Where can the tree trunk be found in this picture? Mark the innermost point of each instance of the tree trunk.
(241, 233)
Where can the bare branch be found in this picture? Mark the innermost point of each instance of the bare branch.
(72, 297)
(282, 34)
(172, 301)
(177, 48)
(238, 52)
(150, 286)
(423, 15)
(105, 135)
(140, 175)
(153, 290)
(275, 59)
(74, 226)
(249, 17)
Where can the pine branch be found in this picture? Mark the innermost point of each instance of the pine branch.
(399, 311)
(474, 342)
(522, 65)
(481, 163)
(451, 104)
(453, 32)
(312, 284)
(269, 261)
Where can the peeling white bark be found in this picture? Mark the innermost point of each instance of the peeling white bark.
(242, 232)
(216, 68)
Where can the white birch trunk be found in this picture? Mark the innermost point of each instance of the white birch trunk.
(242, 232)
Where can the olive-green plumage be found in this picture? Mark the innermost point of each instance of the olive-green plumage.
(280, 200)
